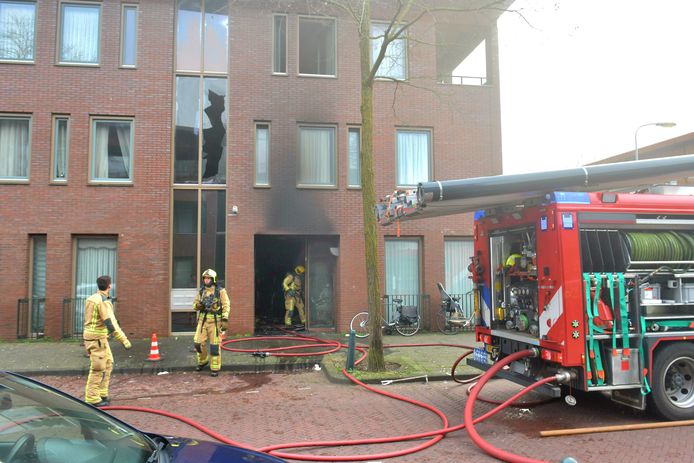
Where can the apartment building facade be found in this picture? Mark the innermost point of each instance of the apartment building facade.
(153, 139)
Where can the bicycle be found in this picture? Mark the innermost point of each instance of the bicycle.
(451, 318)
(406, 323)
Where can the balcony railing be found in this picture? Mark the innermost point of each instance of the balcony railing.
(30, 318)
(463, 80)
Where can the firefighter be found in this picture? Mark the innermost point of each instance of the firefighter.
(293, 296)
(99, 323)
(212, 305)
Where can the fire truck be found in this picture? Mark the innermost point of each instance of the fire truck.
(596, 279)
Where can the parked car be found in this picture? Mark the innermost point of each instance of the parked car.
(41, 424)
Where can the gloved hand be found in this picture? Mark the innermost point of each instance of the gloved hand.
(199, 306)
(225, 324)
(127, 344)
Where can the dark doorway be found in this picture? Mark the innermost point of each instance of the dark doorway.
(277, 255)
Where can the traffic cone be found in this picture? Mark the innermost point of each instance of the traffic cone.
(154, 350)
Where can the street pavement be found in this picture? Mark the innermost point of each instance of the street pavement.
(291, 399)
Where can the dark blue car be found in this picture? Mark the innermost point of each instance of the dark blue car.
(40, 424)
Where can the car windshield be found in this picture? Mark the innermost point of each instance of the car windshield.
(61, 429)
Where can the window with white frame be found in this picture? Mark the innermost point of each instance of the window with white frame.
(17, 30)
(394, 64)
(457, 254)
(95, 256)
(413, 156)
(353, 161)
(112, 150)
(317, 166)
(60, 149)
(79, 33)
(279, 44)
(128, 43)
(15, 145)
(317, 46)
(262, 155)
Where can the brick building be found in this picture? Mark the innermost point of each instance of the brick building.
(153, 139)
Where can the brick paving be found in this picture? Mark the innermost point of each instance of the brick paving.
(264, 409)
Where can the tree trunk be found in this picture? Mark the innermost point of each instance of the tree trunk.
(373, 279)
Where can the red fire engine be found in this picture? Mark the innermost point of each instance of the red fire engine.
(599, 284)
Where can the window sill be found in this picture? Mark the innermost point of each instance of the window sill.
(14, 181)
(124, 66)
(280, 74)
(79, 65)
(110, 183)
(319, 76)
(303, 186)
(354, 187)
(262, 187)
(16, 61)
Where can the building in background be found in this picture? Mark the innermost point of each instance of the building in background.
(150, 140)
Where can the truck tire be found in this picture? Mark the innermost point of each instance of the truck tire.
(672, 394)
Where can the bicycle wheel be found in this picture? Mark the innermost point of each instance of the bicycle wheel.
(408, 328)
(444, 325)
(360, 324)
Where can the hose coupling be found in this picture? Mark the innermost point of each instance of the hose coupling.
(536, 352)
(260, 354)
(565, 376)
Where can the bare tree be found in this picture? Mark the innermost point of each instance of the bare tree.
(404, 14)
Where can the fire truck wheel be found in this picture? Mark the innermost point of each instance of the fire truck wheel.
(673, 381)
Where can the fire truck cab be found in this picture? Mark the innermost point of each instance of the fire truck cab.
(598, 283)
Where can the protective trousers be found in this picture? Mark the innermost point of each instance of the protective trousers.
(208, 329)
(100, 367)
(289, 303)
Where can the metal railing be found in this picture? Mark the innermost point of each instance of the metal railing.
(463, 80)
(30, 318)
(421, 301)
(73, 316)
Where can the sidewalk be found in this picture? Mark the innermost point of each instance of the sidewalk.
(68, 357)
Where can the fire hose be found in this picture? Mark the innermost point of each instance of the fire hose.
(333, 346)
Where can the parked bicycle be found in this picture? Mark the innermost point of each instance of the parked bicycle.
(406, 321)
(451, 318)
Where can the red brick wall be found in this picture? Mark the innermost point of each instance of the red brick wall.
(465, 137)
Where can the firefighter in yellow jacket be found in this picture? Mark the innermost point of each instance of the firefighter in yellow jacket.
(212, 305)
(99, 323)
(293, 296)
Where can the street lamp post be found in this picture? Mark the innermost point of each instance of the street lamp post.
(636, 134)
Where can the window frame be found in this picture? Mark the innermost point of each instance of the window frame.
(255, 154)
(430, 154)
(357, 129)
(54, 133)
(335, 172)
(20, 180)
(286, 48)
(298, 45)
(92, 140)
(59, 28)
(124, 7)
(406, 62)
(33, 54)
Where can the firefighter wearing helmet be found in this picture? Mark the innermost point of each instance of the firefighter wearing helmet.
(212, 305)
(293, 296)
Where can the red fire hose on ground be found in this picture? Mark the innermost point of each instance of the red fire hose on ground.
(435, 435)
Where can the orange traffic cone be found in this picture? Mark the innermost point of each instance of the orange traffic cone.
(154, 350)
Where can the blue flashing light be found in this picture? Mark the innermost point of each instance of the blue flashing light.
(479, 215)
(570, 197)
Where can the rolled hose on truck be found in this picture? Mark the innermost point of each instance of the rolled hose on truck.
(435, 435)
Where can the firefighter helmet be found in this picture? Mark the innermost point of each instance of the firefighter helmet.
(299, 269)
(210, 273)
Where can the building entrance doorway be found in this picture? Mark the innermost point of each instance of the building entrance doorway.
(278, 255)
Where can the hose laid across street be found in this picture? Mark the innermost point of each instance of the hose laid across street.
(332, 346)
